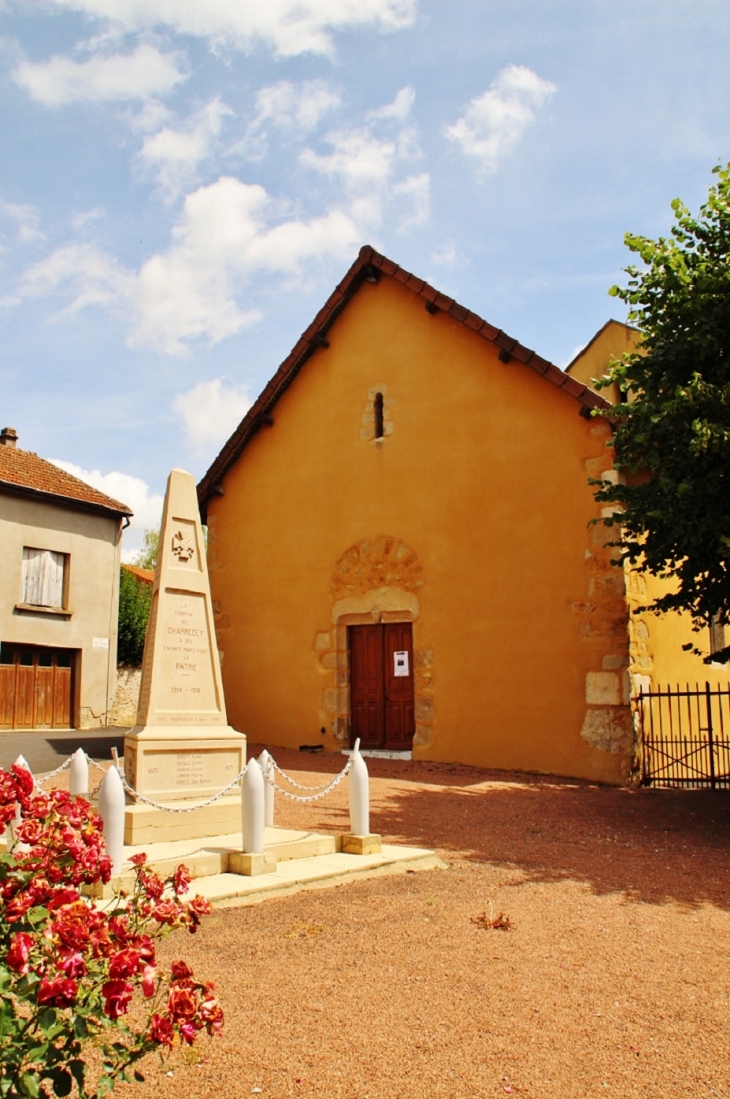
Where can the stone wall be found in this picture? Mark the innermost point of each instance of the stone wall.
(126, 697)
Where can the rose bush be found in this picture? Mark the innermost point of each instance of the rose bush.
(70, 970)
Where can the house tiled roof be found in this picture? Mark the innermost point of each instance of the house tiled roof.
(370, 266)
(147, 576)
(24, 471)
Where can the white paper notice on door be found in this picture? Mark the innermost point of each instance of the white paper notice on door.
(400, 663)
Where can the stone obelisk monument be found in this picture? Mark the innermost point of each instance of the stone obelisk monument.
(182, 747)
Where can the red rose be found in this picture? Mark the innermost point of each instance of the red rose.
(201, 906)
(19, 952)
(181, 971)
(24, 781)
(187, 1030)
(181, 880)
(58, 992)
(138, 860)
(181, 1003)
(117, 995)
(29, 831)
(166, 912)
(211, 1014)
(124, 964)
(161, 1030)
(153, 885)
(149, 980)
(72, 964)
(18, 906)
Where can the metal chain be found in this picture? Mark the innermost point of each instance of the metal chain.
(313, 797)
(187, 808)
(52, 774)
(292, 782)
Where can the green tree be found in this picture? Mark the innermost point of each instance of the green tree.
(134, 610)
(672, 427)
(147, 556)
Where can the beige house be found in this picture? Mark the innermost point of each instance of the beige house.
(60, 545)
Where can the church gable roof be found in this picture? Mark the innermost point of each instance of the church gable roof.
(370, 266)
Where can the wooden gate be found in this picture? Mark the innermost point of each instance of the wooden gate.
(685, 736)
(381, 686)
(35, 687)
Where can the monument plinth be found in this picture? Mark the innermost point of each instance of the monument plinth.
(182, 747)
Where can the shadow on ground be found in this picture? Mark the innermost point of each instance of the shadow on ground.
(652, 845)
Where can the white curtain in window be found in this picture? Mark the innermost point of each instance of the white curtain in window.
(43, 577)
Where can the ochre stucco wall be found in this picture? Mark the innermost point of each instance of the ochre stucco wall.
(470, 518)
(613, 341)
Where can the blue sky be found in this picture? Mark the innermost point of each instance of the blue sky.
(183, 182)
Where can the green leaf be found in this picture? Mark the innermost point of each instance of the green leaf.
(47, 1019)
(28, 1085)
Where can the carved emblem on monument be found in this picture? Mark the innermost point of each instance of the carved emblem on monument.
(182, 545)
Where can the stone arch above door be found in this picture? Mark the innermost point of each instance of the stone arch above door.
(378, 579)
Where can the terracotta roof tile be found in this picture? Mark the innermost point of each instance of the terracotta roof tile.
(147, 576)
(24, 471)
(368, 258)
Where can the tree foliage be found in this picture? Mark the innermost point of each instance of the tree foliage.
(134, 610)
(672, 428)
(147, 556)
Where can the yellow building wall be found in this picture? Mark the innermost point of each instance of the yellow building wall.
(657, 654)
(470, 518)
(613, 341)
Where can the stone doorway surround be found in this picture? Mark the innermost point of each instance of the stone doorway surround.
(376, 580)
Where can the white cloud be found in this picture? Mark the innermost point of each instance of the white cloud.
(212, 410)
(132, 491)
(115, 77)
(194, 290)
(25, 218)
(87, 217)
(288, 27)
(365, 165)
(446, 257)
(296, 109)
(417, 192)
(174, 154)
(399, 109)
(493, 123)
(295, 106)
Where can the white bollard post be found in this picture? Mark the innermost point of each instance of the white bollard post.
(359, 792)
(78, 773)
(111, 810)
(266, 764)
(252, 796)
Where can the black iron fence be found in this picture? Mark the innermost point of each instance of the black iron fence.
(685, 736)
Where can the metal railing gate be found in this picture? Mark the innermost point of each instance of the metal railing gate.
(684, 736)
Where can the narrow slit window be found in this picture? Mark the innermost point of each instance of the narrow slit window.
(378, 412)
(717, 634)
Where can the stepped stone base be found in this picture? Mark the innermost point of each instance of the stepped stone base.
(143, 824)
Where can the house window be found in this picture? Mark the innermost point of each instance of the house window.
(43, 577)
(717, 634)
(378, 413)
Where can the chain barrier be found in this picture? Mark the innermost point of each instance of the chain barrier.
(52, 774)
(313, 797)
(316, 792)
(186, 808)
(293, 782)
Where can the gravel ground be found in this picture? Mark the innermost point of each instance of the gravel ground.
(612, 978)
